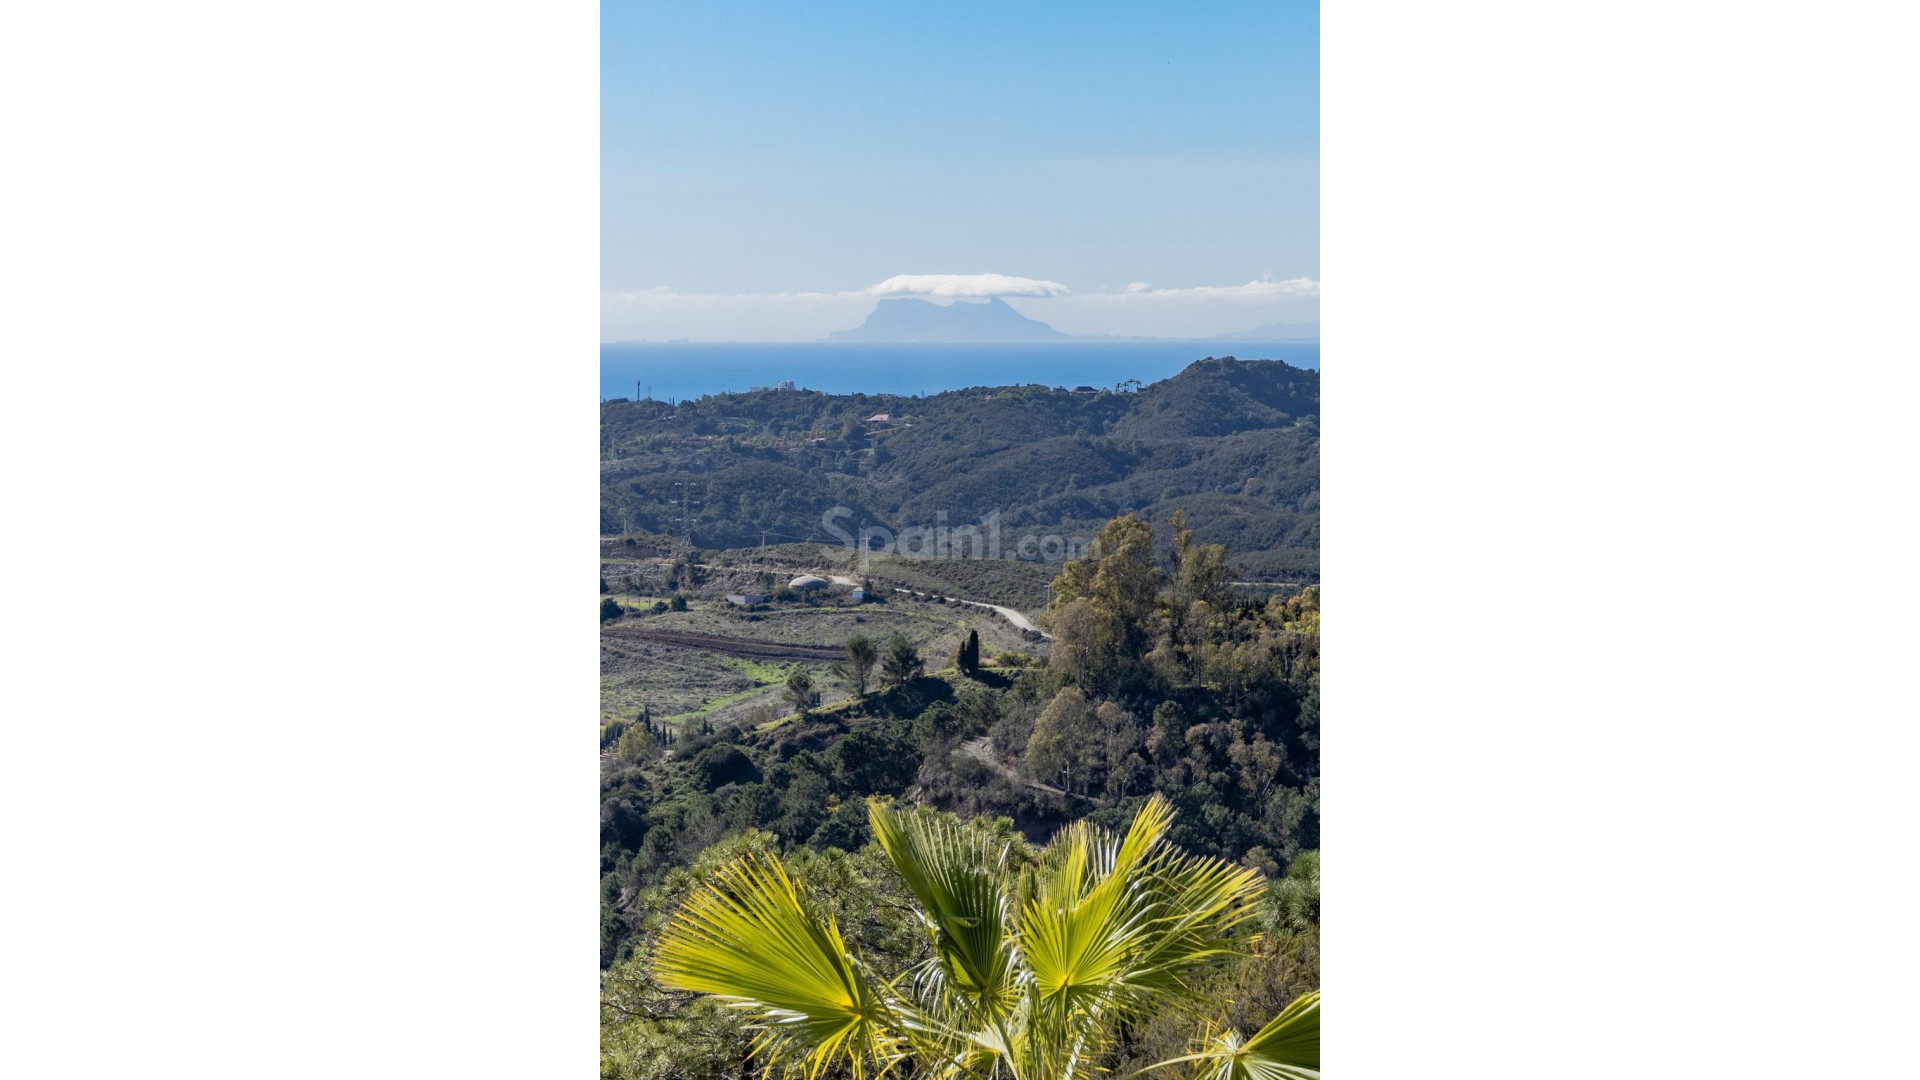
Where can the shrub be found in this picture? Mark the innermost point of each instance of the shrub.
(717, 766)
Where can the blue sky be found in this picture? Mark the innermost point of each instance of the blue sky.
(766, 165)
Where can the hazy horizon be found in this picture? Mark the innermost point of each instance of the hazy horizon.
(1243, 333)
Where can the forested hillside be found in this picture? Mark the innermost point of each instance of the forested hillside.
(1163, 679)
(1234, 444)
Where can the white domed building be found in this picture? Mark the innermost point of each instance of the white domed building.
(807, 583)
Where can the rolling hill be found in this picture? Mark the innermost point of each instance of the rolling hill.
(1235, 444)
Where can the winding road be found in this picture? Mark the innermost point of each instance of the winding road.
(1012, 616)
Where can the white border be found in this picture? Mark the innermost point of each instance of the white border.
(1619, 372)
(299, 424)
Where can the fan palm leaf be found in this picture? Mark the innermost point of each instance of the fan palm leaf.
(1033, 965)
(1287, 1048)
(959, 876)
(748, 939)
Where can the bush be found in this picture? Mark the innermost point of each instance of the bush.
(717, 766)
(845, 829)
(610, 609)
(679, 602)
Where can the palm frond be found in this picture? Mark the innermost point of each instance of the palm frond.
(749, 939)
(1116, 917)
(960, 876)
(1196, 907)
(1287, 1048)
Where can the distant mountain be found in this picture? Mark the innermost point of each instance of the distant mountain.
(909, 319)
(1274, 331)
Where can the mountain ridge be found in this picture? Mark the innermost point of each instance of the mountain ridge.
(909, 319)
(1234, 443)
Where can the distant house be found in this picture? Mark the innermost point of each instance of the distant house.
(783, 384)
(745, 599)
(1085, 390)
(807, 583)
(880, 418)
(859, 595)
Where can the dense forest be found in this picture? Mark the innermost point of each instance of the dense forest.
(1171, 697)
(1234, 444)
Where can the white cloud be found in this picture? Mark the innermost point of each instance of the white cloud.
(1261, 291)
(1139, 308)
(946, 286)
(665, 296)
(972, 285)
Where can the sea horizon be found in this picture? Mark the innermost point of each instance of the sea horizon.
(693, 369)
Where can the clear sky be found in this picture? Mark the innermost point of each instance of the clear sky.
(1123, 168)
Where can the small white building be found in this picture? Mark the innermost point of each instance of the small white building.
(745, 599)
(859, 595)
(880, 418)
(807, 583)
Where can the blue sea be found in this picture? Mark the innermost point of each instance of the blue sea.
(680, 371)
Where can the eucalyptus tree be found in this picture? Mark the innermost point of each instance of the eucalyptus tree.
(1033, 967)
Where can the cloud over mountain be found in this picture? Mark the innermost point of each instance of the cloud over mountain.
(967, 285)
(1139, 308)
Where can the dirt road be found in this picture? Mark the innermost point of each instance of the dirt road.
(1018, 620)
(981, 750)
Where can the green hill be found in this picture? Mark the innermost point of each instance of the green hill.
(1233, 443)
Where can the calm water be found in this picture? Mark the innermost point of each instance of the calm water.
(689, 371)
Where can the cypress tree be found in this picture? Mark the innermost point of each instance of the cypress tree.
(967, 659)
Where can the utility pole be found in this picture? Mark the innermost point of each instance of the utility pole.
(686, 513)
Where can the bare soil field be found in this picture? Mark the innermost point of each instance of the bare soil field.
(732, 646)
